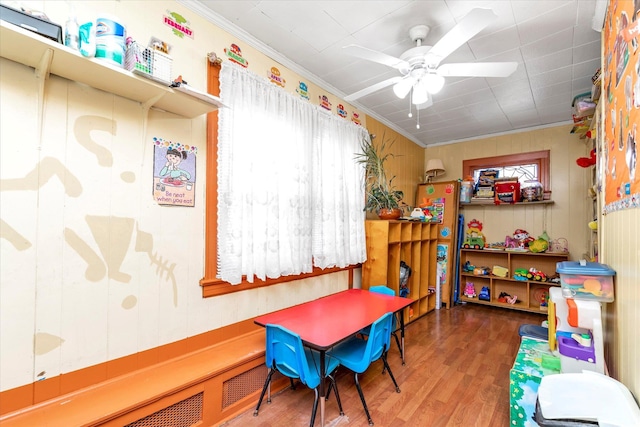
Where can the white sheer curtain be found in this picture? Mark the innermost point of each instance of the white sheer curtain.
(290, 193)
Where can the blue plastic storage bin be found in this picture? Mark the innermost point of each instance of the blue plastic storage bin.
(586, 280)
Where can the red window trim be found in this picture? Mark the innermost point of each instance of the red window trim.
(540, 158)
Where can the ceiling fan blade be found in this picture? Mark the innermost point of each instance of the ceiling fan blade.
(478, 69)
(474, 22)
(373, 88)
(425, 105)
(375, 56)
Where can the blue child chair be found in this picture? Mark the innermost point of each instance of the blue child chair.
(381, 289)
(286, 354)
(357, 354)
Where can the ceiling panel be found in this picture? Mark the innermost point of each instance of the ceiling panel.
(552, 41)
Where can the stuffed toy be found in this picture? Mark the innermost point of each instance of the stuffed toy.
(585, 162)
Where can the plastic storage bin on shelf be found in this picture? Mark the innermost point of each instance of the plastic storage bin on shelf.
(586, 280)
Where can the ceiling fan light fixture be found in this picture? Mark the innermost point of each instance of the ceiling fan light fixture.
(433, 82)
(420, 94)
(403, 87)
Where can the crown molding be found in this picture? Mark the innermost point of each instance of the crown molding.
(226, 25)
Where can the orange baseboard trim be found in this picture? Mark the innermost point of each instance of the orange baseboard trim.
(51, 388)
(144, 392)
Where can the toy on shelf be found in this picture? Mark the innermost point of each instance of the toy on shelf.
(481, 271)
(485, 294)
(507, 190)
(500, 271)
(417, 213)
(468, 268)
(542, 296)
(423, 215)
(470, 290)
(537, 275)
(495, 246)
(559, 245)
(523, 237)
(541, 244)
(475, 239)
(521, 274)
(506, 298)
(554, 278)
(428, 209)
(511, 243)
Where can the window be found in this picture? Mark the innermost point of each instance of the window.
(533, 166)
(279, 237)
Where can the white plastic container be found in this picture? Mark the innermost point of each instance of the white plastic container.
(111, 38)
(87, 40)
(466, 191)
(71, 36)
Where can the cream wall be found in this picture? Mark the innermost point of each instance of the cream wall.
(92, 268)
(620, 249)
(569, 214)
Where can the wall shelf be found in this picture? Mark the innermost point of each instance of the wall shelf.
(489, 202)
(48, 57)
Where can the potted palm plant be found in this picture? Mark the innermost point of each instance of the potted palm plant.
(382, 197)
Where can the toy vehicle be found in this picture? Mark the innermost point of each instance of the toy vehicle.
(473, 243)
(521, 274)
(540, 277)
(475, 239)
(537, 275)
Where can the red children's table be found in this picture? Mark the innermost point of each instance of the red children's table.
(324, 322)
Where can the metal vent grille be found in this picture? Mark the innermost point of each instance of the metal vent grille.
(181, 414)
(242, 385)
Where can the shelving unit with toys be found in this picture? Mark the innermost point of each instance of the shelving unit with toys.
(531, 295)
(391, 242)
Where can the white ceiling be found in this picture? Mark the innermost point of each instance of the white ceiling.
(553, 42)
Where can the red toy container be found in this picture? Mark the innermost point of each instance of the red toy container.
(507, 192)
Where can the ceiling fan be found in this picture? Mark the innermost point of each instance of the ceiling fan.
(420, 69)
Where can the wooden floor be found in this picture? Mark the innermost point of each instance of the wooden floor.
(457, 374)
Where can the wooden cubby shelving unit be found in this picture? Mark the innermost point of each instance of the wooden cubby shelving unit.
(526, 291)
(388, 243)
